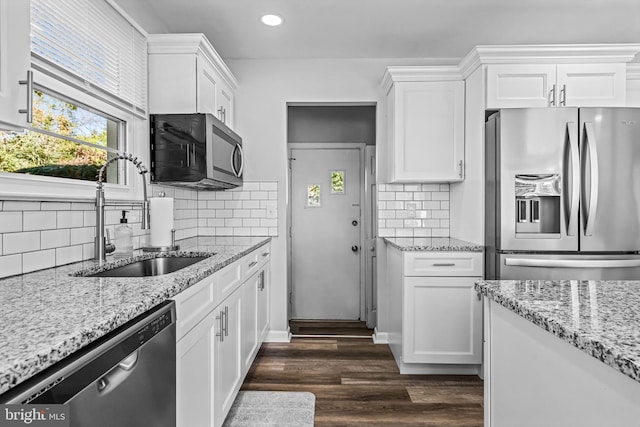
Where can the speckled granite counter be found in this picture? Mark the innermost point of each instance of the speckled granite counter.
(433, 244)
(601, 318)
(47, 315)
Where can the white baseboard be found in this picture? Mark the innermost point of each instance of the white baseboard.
(380, 337)
(278, 336)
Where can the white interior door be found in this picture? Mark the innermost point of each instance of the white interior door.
(325, 233)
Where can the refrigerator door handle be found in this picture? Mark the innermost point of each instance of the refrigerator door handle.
(575, 178)
(572, 263)
(590, 141)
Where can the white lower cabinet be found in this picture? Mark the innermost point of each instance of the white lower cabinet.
(436, 317)
(228, 364)
(224, 321)
(194, 375)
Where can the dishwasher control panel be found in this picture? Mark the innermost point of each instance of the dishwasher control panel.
(154, 327)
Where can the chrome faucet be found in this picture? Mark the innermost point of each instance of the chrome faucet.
(101, 245)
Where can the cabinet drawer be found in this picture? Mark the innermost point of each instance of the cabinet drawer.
(443, 264)
(229, 278)
(194, 303)
(255, 260)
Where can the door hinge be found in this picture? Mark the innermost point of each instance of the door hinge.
(290, 160)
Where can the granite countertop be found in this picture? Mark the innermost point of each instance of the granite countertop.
(601, 318)
(47, 315)
(432, 244)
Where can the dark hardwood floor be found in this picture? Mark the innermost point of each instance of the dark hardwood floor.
(357, 383)
(330, 327)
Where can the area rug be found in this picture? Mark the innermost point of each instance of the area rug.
(272, 408)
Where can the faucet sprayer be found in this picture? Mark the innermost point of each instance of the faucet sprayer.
(100, 251)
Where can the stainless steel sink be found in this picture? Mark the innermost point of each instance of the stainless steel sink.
(149, 267)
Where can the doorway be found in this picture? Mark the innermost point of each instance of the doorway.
(326, 223)
(331, 175)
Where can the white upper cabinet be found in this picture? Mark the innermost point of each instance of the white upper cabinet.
(186, 75)
(550, 85)
(425, 124)
(15, 58)
(633, 85)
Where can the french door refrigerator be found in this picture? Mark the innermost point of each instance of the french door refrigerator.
(562, 194)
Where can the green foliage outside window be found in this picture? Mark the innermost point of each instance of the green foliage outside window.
(36, 153)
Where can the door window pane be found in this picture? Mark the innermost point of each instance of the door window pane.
(313, 196)
(337, 182)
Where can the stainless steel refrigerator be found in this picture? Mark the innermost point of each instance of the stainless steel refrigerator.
(562, 194)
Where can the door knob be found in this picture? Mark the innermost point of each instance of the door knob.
(354, 222)
(354, 248)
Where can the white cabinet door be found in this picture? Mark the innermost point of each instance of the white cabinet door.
(591, 85)
(556, 85)
(228, 369)
(172, 83)
(249, 347)
(427, 122)
(442, 321)
(207, 83)
(15, 57)
(194, 375)
(519, 86)
(263, 303)
(224, 110)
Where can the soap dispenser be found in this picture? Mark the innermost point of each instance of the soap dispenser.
(124, 238)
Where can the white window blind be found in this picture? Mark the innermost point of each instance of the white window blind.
(93, 41)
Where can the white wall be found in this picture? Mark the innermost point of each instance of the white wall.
(266, 86)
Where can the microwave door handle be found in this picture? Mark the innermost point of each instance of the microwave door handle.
(238, 149)
(590, 139)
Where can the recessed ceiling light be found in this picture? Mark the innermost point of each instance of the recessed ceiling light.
(272, 20)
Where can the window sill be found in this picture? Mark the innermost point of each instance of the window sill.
(41, 188)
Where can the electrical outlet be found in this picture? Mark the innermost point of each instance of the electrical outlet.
(411, 208)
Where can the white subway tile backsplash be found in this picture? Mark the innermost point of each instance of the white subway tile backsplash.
(70, 219)
(251, 186)
(87, 234)
(38, 220)
(36, 235)
(10, 205)
(440, 232)
(10, 265)
(269, 186)
(251, 222)
(70, 254)
(431, 203)
(14, 243)
(55, 238)
(10, 222)
(33, 261)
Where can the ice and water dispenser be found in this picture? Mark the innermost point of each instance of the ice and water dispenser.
(537, 204)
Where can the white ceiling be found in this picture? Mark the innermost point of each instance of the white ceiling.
(387, 28)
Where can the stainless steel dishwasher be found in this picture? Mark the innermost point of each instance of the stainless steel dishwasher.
(125, 379)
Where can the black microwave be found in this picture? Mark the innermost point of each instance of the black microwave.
(196, 151)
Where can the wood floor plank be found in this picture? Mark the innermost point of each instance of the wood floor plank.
(357, 383)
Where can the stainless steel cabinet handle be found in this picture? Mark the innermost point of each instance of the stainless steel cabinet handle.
(563, 95)
(29, 110)
(220, 112)
(575, 177)
(460, 168)
(251, 264)
(552, 96)
(444, 264)
(265, 254)
(221, 333)
(590, 140)
(226, 321)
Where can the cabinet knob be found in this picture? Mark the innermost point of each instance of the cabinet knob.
(354, 248)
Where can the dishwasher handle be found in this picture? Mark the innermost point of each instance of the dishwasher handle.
(112, 379)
